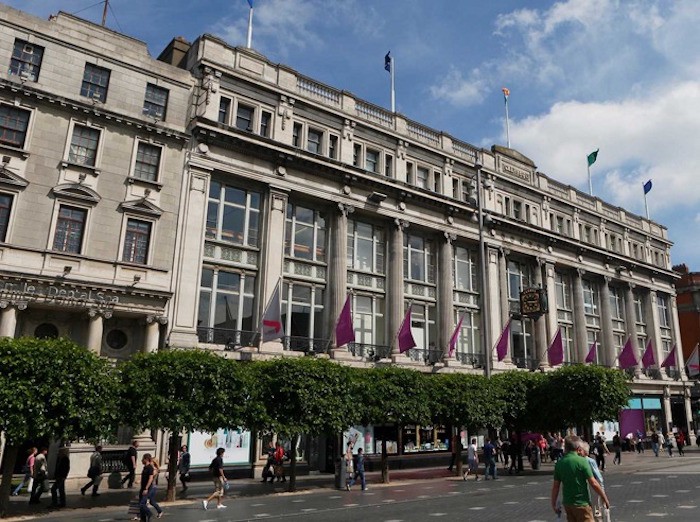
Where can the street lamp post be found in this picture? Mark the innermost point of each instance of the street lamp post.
(482, 268)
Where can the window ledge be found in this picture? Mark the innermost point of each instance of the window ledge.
(138, 181)
(87, 168)
(14, 150)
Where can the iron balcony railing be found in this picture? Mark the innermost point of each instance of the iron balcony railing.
(231, 339)
(475, 360)
(426, 356)
(307, 345)
(372, 352)
(529, 363)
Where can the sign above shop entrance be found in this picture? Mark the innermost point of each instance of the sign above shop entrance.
(59, 294)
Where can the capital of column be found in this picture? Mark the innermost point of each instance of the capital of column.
(401, 224)
(160, 319)
(98, 312)
(279, 202)
(401, 149)
(581, 272)
(4, 304)
(348, 129)
(450, 237)
(607, 279)
(345, 209)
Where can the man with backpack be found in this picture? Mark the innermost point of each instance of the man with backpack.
(130, 458)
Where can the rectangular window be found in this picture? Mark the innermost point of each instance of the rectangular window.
(224, 110)
(14, 123)
(5, 208)
(368, 321)
(265, 121)
(26, 60)
(410, 174)
(314, 141)
(136, 241)
(233, 215)
(147, 162)
(356, 154)
(517, 210)
(226, 304)
(244, 117)
(155, 103)
(365, 247)
(388, 166)
(437, 182)
(95, 82)
(70, 227)
(333, 146)
(372, 160)
(418, 259)
(465, 270)
(305, 234)
(422, 177)
(83, 145)
(296, 134)
(302, 315)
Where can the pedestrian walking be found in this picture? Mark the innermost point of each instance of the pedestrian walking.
(58, 490)
(669, 443)
(130, 459)
(514, 453)
(490, 460)
(455, 446)
(41, 473)
(268, 469)
(680, 443)
(573, 475)
(183, 466)
(584, 451)
(640, 442)
(28, 470)
(280, 455)
(655, 440)
(472, 461)
(360, 469)
(505, 450)
(617, 446)
(349, 463)
(600, 450)
(94, 472)
(148, 475)
(217, 472)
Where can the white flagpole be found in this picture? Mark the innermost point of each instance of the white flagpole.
(250, 28)
(590, 181)
(393, 91)
(646, 205)
(507, 124)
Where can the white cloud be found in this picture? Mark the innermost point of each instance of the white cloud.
(460, 91)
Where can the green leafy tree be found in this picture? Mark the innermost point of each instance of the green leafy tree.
(579, 395)
(390, 394)
(468, 400)
(182, 391)
(302, 395)
(52, 388)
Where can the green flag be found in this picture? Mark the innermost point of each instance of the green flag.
(592, 157)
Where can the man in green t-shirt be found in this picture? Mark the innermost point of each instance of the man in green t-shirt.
(575, 474)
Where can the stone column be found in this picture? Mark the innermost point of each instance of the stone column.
(337, 266)
(95, 331)
(608, 343)
(651, 315)
(579, 317)
(8, 319)
(445, 295)
(395, 308)
(493, 306)
(631, 326)
(152, 335)
(551, 287)
(667, 409)
(273, 255)
(541, 336)
(676, 334)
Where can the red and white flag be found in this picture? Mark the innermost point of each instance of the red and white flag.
(693, 362)
(272, 318)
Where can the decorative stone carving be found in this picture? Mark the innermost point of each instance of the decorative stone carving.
(345, 209)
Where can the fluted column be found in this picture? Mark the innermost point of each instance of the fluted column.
(395, 293)
(338, 266)
(631, 326)
(8, 319)
(152, 334)
(445, 294)
(579, 317)
(504, 304)
(541, 337)
(651, 315)
(676, 334)
(667, 409)
(551, 288)
(493, 305)
(609, 354)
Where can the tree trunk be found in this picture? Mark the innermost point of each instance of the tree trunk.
(8, 465)
(385, 463)
(293, 464)
(172, 466)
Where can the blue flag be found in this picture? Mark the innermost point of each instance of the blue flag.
(250, 3)
(647, 187)
(387, 62)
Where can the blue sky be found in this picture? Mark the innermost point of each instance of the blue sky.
(619, 75)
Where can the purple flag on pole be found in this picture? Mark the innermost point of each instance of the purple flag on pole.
(590, 358)
(627, 358)
(455, 336)
(344, 332)
(555, 354)
(406, 341)
(502, 344)
(671, 359)
(648, 357)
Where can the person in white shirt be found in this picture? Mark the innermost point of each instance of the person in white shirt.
(472, 461)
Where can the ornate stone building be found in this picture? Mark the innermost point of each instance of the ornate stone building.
(92, 140)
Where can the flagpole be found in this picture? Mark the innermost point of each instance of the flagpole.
(590, 181)
(507, 124)
(646, 205)
(393, 91)
(250, 27)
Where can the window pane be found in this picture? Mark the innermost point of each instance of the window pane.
(244, 118)
(13, 126)
(5, 207)
(232, 224)
(226, 311)
(203, 311)
(95, 82)
(136, 241)
(236, 196)
(207, 278)
(155, 102)
(70, 226)
(303, 241)
(83, 146)
(212, 220)
(26, 60)
(229, 281)
(147, 162)
(253, 229)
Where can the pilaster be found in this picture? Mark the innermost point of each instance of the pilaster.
(541, 336)
(608, 343)
(446, 294)
(395, 293)
(8, 318)
(96, 329)
(579, 316)
(631, 326)
(338, 266)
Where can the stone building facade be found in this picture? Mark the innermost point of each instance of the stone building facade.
(92, 140)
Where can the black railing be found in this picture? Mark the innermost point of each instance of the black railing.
(426, 356)
(113, 461)
(653, 373)
(231, 339)
(673, 373)
(529, 363)
(373, 352)
(307, 345)
(471, 359)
